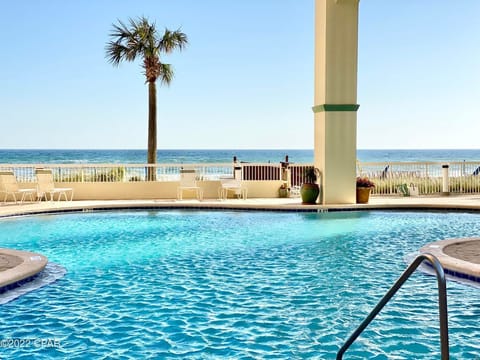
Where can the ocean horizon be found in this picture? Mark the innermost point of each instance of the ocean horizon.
(192, 156)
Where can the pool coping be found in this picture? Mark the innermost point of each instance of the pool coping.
(31, 265)
(454, 266)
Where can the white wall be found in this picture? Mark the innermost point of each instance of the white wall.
(159, 190)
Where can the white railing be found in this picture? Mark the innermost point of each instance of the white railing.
(427, 177)
(464, 177)
(118, 172)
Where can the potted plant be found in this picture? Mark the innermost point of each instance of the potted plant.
(310, 189)
(364, 186)
(283, 191)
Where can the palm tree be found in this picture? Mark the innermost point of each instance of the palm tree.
(141, 40)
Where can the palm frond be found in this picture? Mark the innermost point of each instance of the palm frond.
(165, 74)
(125, 44)
(172, 40)
(120, 31)
(115, 53)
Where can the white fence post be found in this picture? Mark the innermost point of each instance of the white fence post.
(445, 182)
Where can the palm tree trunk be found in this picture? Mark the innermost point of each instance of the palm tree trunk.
(152, 130)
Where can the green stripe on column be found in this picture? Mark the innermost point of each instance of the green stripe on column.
(335, 107)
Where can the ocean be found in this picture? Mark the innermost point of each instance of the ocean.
(28, 156)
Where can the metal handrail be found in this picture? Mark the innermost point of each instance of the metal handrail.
(442, 304)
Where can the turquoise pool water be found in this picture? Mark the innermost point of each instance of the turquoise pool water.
(236, 285)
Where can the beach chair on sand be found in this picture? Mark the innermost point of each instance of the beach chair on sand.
(9, 187)
(384, 173)
(46, 187)
(188, 181)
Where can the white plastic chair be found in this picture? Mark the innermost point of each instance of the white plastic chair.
(46, 186)
(9, 186)
(188, 181)
(232, 185)
(295, 191)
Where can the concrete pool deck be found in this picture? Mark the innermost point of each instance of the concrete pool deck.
(470, 202)
(458, 255)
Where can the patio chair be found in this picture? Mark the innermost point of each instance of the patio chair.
(188, 181)
(295, 191)
(46, 187)
(232, 185)
(9, 186)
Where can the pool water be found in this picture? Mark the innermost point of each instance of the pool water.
(237, 285)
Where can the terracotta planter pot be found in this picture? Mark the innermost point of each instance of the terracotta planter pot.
(363, 194)
(309, 193)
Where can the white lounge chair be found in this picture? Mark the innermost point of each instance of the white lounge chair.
(188, 181)
(46, 187)
(9, 186)
(232, 185)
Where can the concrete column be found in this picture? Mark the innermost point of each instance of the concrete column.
(335, 109)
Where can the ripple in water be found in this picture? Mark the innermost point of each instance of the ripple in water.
(216, 285)
(51, 273)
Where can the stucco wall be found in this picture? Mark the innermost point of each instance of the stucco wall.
(159, 190)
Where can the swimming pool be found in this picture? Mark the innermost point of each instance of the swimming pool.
(225, 284)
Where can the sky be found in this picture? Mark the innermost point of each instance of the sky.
(245, 81)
